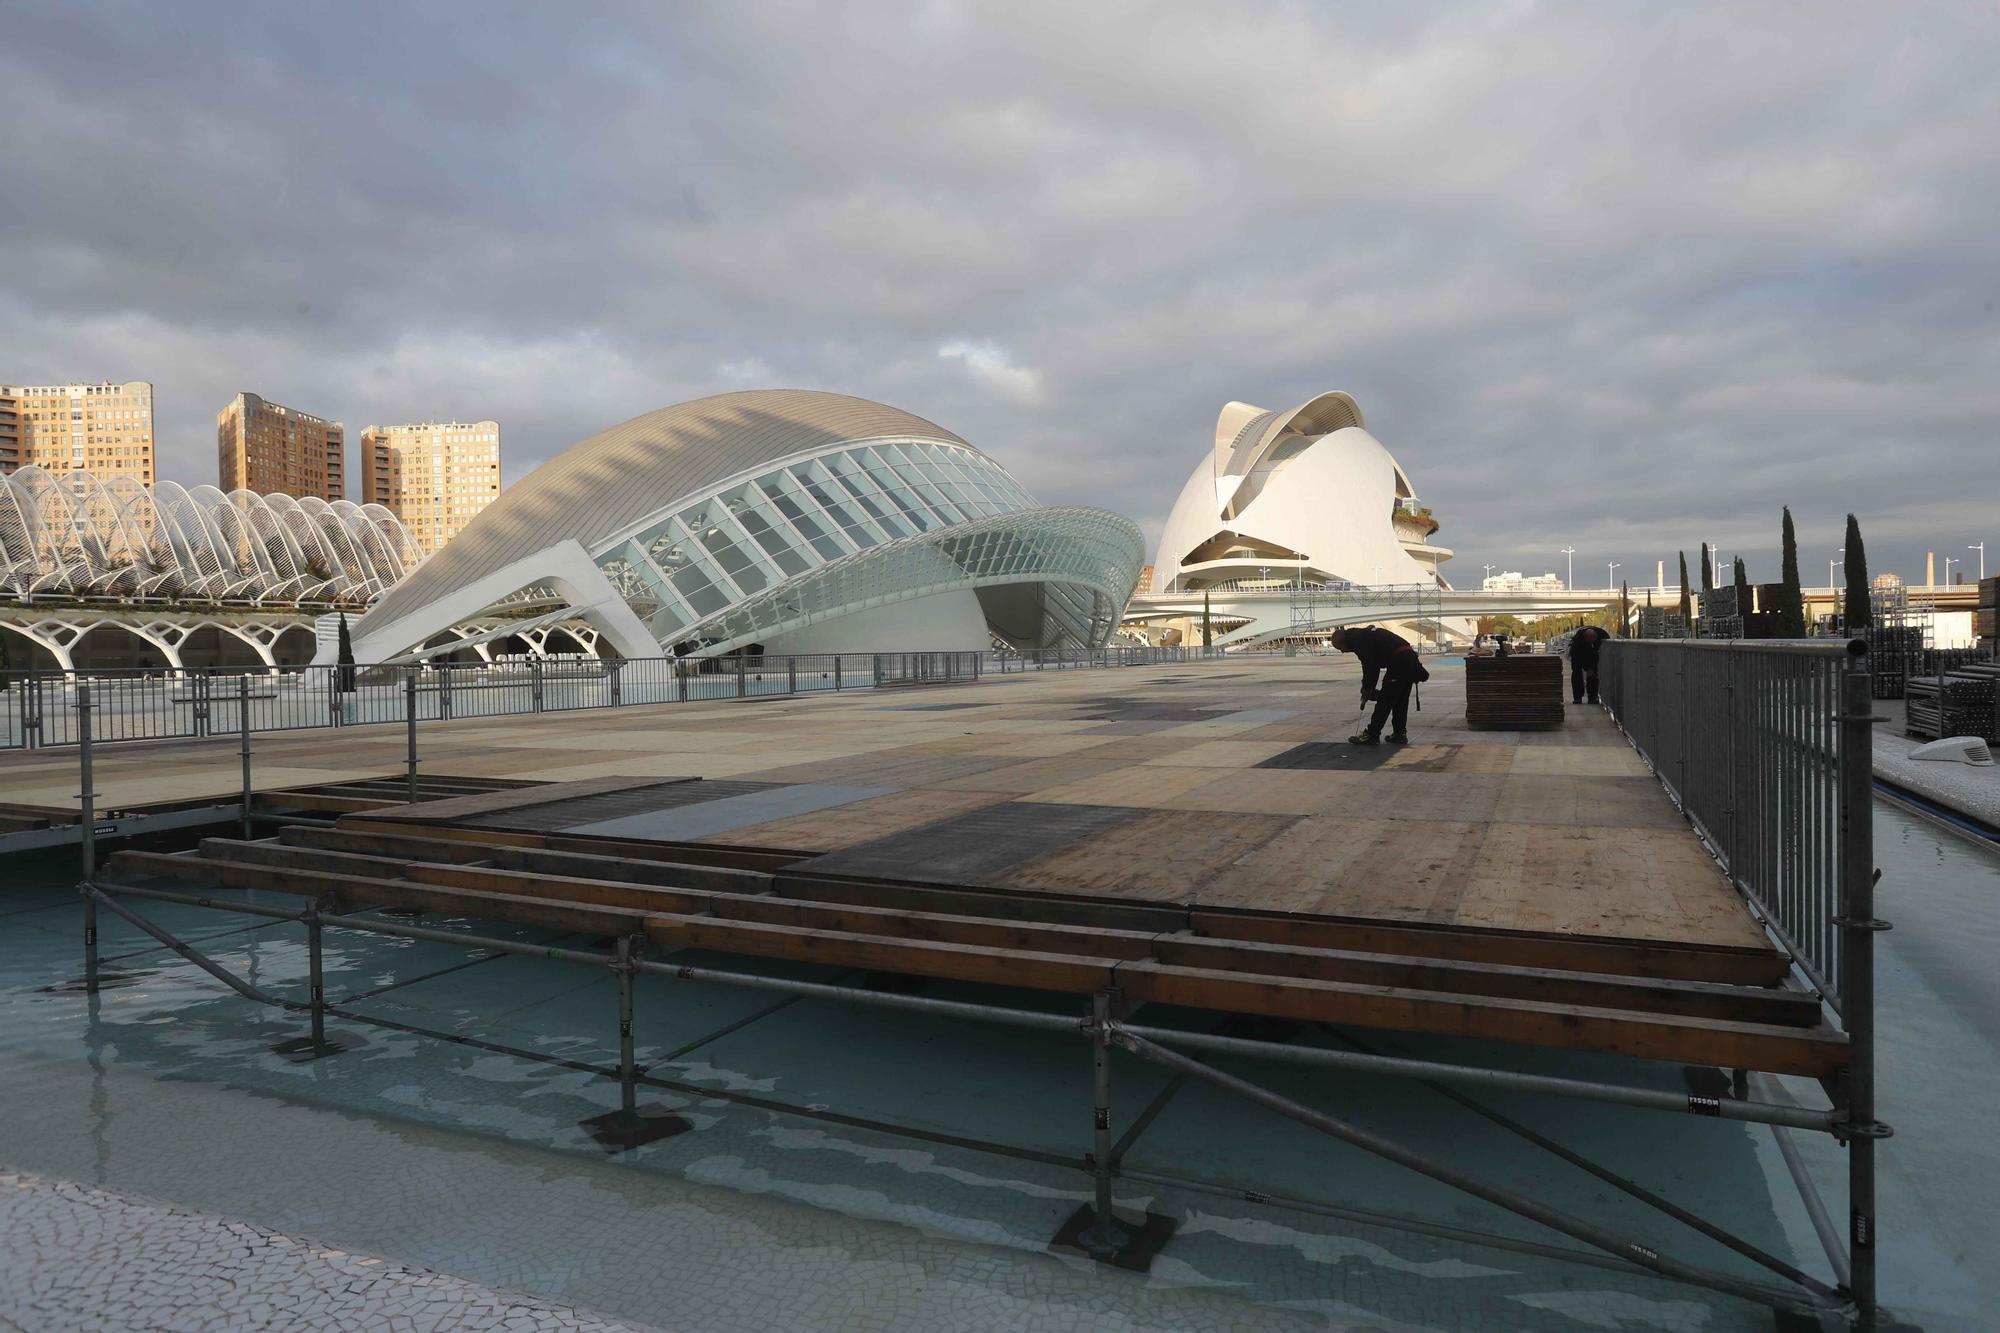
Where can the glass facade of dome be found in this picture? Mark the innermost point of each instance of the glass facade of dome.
(741, 539)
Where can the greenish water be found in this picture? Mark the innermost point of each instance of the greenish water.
(474, 1162)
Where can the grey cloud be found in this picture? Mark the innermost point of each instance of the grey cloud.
(1624, 279)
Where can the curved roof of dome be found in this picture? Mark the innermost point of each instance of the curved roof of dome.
(620, 476)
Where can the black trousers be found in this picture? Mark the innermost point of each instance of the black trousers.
(1392, 700)
(1582, 678)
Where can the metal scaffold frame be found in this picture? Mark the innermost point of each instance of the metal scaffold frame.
(1825, 755)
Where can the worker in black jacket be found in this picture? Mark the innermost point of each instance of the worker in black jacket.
(1390, 657)
(1583, 647)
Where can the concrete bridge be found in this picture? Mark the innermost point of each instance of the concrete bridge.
(1274, 612)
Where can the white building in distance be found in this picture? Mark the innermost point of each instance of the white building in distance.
(1515, 581)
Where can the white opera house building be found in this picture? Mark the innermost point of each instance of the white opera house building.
(773, 521)
(1292, 502)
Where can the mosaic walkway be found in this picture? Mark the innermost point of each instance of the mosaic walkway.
(73, 1256)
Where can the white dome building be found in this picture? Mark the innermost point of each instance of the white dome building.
(778, 520)
(1304, 498)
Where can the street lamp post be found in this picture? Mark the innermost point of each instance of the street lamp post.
(1611, 574)
(1832, 565)
(1949, 561)
(1981, 548)
(1570, 551)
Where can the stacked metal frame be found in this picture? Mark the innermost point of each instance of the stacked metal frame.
(72, 534)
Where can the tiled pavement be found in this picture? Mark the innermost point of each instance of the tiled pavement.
(77, 1257)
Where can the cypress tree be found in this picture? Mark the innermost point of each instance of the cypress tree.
(1858, 611)
(1707, 569)
(345, 658)
(1687, 605)
(1624, 610)
(1207, 636)
(1742, 588)
(1791, 606)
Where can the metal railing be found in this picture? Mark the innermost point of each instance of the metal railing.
(1001, 664)
(1765, 747)
(39, 709)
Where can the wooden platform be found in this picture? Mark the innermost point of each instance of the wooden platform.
(1195, 836)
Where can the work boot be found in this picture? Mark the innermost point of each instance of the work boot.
(1363, 738)
(1398, 738)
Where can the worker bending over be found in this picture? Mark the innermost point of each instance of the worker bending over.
(1583, 648)
(1389, 656)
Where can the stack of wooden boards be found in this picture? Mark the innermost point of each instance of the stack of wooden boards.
(1513, 693)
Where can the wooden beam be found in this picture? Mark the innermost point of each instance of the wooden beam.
(998, 903)
(354, 892)
(490, 803)
(407, 846)
(1776, 1050)
(687, 853)
(1747, 1004)
(320, 801)
(516, 838)
(417, 846)
(960, 962)
(768, 909)
(1635, 958)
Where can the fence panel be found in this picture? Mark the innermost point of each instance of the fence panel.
(38, 708)
(1763, 746)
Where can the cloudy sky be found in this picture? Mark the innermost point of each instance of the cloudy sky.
(1622, 277)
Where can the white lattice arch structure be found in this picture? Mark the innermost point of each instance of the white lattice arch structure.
(60, 633)
(72, 534)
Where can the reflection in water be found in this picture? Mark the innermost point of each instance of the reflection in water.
(473, 1162)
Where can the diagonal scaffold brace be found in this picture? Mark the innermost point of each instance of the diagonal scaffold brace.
(1623, 1247)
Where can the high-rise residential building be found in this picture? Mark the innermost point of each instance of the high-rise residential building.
(10, 430)
(271, 449)
(105, 428)
(433, 475)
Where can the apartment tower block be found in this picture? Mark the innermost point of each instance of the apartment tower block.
(106, 428)
(272, 449)
(433, 475)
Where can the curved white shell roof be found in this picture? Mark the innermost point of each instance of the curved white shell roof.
(745, 517)
(620, 476)
(1309, 485)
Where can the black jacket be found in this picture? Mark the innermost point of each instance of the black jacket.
(1380, 651)
(1583, 646)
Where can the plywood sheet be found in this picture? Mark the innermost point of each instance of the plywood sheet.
(1627, 883)
(1272, 791)
(864, 821)
(1396, 869)
(979, 847)
(1605, 761)
(1137, 784)
(1218, 754)
(1158, 856)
